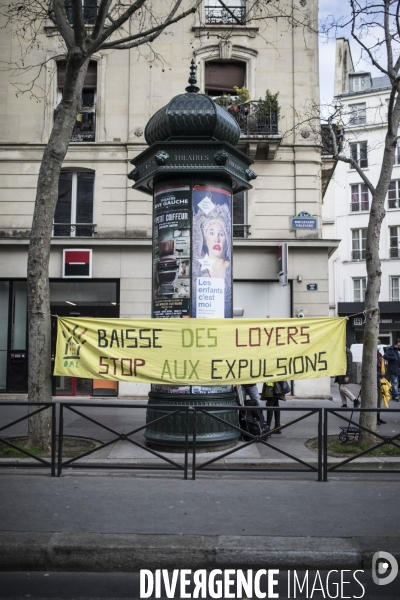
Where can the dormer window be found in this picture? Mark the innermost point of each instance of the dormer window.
(360, 82)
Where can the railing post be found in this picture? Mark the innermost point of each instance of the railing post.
(185, 476)
(60, 440)
(194, 444)
(320, 469)
(53, 438)
(325, 440)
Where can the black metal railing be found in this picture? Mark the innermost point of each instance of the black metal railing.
(89, 12)
(123, 436)
(33, 408)
(254, 118)
(260, 439)
(322, 466)
(241, 230)
(220, 16)
(359, 206)
(356, 427)
(358, 254)
(73, 229)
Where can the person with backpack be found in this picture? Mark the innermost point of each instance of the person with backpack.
(392, 357)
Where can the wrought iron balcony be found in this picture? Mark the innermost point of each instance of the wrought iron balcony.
(73, 229)
(220, 16)
(394, 252)
(358, 255)
(241, 230)
(359, 206)
(90, 11)
(254, 118)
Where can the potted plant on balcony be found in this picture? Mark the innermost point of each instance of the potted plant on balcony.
(223, 100)
(270, 107)
(242, 99)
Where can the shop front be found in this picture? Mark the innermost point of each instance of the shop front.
(389, 323)
(96, 298)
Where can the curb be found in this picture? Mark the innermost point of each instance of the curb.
(95, 552)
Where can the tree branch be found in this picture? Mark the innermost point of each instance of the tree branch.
(101, 17)
(61, 21)
(79, 26)
(150, 34)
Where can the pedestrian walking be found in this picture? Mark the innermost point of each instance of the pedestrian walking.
(392, 357)
(251, 390)
(343, 380)
(272, 397)
(380, 373)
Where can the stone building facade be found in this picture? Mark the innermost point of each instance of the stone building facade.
(99, 211)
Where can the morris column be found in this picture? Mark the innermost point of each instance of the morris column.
(192, 169)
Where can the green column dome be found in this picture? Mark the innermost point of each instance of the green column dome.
(192, 116)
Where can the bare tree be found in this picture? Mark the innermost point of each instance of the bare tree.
(110, 30)
(375, 27)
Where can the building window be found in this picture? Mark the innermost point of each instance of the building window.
(359, 197)
(397, 153)
(359, 287)
(222, 77)
(358, 114)
(394, 242)
(85, 125)
(89, 8)
(216, 14)
(394, 289)
(394, 194)
(359, 153)
(360, 83)
(358, 244)
(74, 210)
(240, 227)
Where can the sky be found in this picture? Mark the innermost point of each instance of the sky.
(336, 8)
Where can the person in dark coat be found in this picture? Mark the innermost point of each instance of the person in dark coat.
(343, 380)
(392, 357)
(272, 400)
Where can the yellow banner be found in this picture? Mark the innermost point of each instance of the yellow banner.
(200, 351)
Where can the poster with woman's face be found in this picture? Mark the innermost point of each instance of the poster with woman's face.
(212, 252)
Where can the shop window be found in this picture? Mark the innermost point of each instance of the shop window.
(394, 194)
(74, 210)
(359, 197)
(359, 153)
(358, 114)
(239, 214)
(358, 244)
(394, 289)
(231, 13)
(222, 77)
(394, 242)
(359, 287)
(85, 125)
(89, 8)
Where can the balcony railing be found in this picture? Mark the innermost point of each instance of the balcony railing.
(241, 230)
(89, 13)
(85, 126)
(220, 16)
(359, 206)
(358, 255)
(394, 252)
(254, 118)
(73, 229)
(393, 203)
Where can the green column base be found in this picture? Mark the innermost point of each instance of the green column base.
(211, 435)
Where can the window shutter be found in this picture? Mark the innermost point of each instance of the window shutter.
(224, 76)
(90, 79)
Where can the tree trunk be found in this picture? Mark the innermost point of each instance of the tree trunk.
(39, 329)
(374, 276)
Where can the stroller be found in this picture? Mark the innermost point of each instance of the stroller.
(250, 422)
(350, 431)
